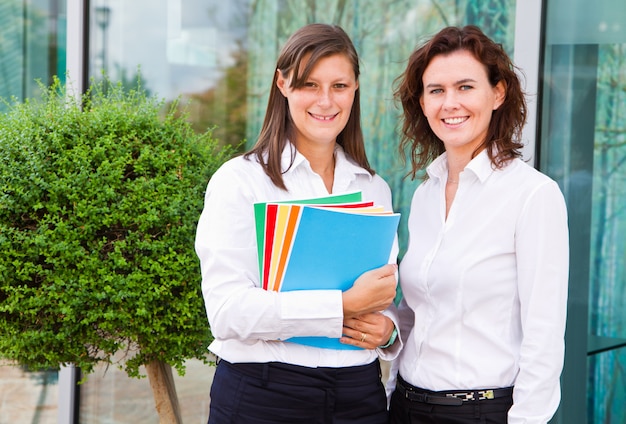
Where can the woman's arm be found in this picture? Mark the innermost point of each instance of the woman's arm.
(542, 248)
(236, 306)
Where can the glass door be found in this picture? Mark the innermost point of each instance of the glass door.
(583, 146)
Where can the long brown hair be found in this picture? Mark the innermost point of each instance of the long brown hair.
(503, 139)
(315, 42)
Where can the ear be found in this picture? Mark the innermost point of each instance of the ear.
(500, 94)
(281, 82)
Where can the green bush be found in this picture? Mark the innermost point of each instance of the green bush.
(99, 203)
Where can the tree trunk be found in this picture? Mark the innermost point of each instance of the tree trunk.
(164, 392)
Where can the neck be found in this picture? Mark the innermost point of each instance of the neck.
(321, 158)
(455, 167)
(322, 166)
(457, 160)
(322, 161)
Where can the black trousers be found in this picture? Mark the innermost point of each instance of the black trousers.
(282, 393)
(489, 411)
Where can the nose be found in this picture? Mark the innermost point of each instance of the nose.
(450, 100)
(324, 97)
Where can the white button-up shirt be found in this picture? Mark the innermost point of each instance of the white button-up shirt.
(488, 285)
(246, 320)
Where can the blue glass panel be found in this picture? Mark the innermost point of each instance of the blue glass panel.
(583, 146)
(32, 45)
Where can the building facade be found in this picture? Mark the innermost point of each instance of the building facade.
(218, 57)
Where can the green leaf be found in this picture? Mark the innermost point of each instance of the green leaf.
(99, 203)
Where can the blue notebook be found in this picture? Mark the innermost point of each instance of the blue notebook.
(318, 248)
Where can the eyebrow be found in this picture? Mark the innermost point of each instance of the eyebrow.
(459, 82)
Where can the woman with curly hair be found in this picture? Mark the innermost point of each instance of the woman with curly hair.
(485, 274)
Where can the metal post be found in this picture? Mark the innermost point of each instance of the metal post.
(68, 395)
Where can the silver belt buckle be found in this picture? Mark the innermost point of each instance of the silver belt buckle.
(467, 396)
(463, 396)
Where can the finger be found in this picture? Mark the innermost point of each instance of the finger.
(360, 326)
(360, 340)
(371, 318)
(354, 324)
(352, 333)
(361, 337)
(386, 270)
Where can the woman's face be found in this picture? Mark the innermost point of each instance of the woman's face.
(458, 100)
(320, 109)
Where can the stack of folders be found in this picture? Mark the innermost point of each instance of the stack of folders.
(322, 243)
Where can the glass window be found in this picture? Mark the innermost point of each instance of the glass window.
(32, 48)
(218, 58)
(32, 45)
(28, 397)
(110, 396)
(583, 146)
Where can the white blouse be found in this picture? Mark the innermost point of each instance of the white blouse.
(246, 320)
(488, 285)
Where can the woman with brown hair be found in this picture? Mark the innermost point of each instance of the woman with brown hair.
(310, 145)
(485, 274)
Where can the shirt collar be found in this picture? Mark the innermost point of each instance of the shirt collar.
(480, 167)
(291, 158)
(344, 166)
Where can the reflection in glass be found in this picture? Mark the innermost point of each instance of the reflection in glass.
(384, 32)
(583, 146)
(32, 46)
(608, 255)
(218, 57)
(109, 396)
(103, 17)
(28, 397)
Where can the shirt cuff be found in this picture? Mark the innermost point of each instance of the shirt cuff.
(311, 313)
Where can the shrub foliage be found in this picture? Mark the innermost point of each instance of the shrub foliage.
(99, 200)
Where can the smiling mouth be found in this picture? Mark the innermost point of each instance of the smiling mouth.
(324, 117)
(455, 121)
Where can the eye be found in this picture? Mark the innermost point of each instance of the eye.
(309, 84)
(341, 85)
(465, 87)
(436, 91)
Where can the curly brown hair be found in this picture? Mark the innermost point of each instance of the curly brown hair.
(503, 139)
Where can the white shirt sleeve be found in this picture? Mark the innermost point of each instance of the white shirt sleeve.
(236, 306)
(542, 248)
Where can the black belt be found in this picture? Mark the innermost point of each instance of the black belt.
(455, 398)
